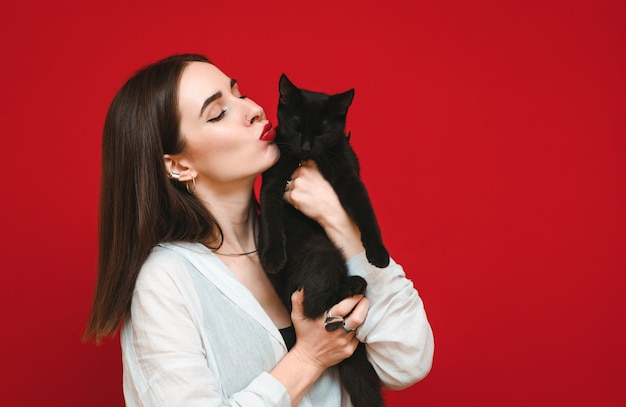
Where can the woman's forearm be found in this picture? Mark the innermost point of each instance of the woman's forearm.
(343, 232)
(297, 374)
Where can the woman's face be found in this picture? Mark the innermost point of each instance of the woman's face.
(226, 134)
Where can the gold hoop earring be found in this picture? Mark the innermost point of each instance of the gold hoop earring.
(193, 180)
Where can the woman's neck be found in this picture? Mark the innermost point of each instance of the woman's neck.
(237, 222)
(239, 237)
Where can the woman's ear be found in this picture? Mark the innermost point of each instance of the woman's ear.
(176, 169)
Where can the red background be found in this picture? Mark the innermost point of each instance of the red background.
(492, 140)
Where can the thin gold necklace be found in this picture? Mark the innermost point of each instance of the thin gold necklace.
(235, 254)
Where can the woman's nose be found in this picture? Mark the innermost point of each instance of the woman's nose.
(255, 113)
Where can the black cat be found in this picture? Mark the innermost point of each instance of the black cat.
(294, 249)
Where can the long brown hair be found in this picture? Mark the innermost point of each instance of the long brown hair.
(139, 206)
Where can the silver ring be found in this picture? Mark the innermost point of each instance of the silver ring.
(287, 185)
(346, 328)
(332, 323)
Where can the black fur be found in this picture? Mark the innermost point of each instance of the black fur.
(294, 249)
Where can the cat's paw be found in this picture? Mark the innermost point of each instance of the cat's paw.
(352, 286)
(377, 255)
(273, 258)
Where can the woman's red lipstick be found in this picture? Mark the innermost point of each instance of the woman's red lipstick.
(268, 133)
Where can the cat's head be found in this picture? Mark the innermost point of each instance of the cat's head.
(311, 122)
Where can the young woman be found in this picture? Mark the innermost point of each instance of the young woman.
(201, 322)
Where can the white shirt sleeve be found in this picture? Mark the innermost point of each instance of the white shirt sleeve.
(397, 334)
(165, 363)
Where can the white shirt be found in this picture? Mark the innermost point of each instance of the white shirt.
(196, 336)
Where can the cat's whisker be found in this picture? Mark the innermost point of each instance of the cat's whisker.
(326, 157)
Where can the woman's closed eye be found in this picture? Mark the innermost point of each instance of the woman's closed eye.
(234, 88)
(218, 117)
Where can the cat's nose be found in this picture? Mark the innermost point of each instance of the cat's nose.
(306, 146)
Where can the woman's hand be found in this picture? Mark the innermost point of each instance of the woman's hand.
(317, 349)
(316, 345)
(310, 193)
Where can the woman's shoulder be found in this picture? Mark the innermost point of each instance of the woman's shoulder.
(164, 255)
(166, 262)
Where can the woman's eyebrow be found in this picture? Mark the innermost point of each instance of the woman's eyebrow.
(210, 100)
(216, 96)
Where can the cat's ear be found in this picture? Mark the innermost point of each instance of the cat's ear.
(342, 101)
(288, 91)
